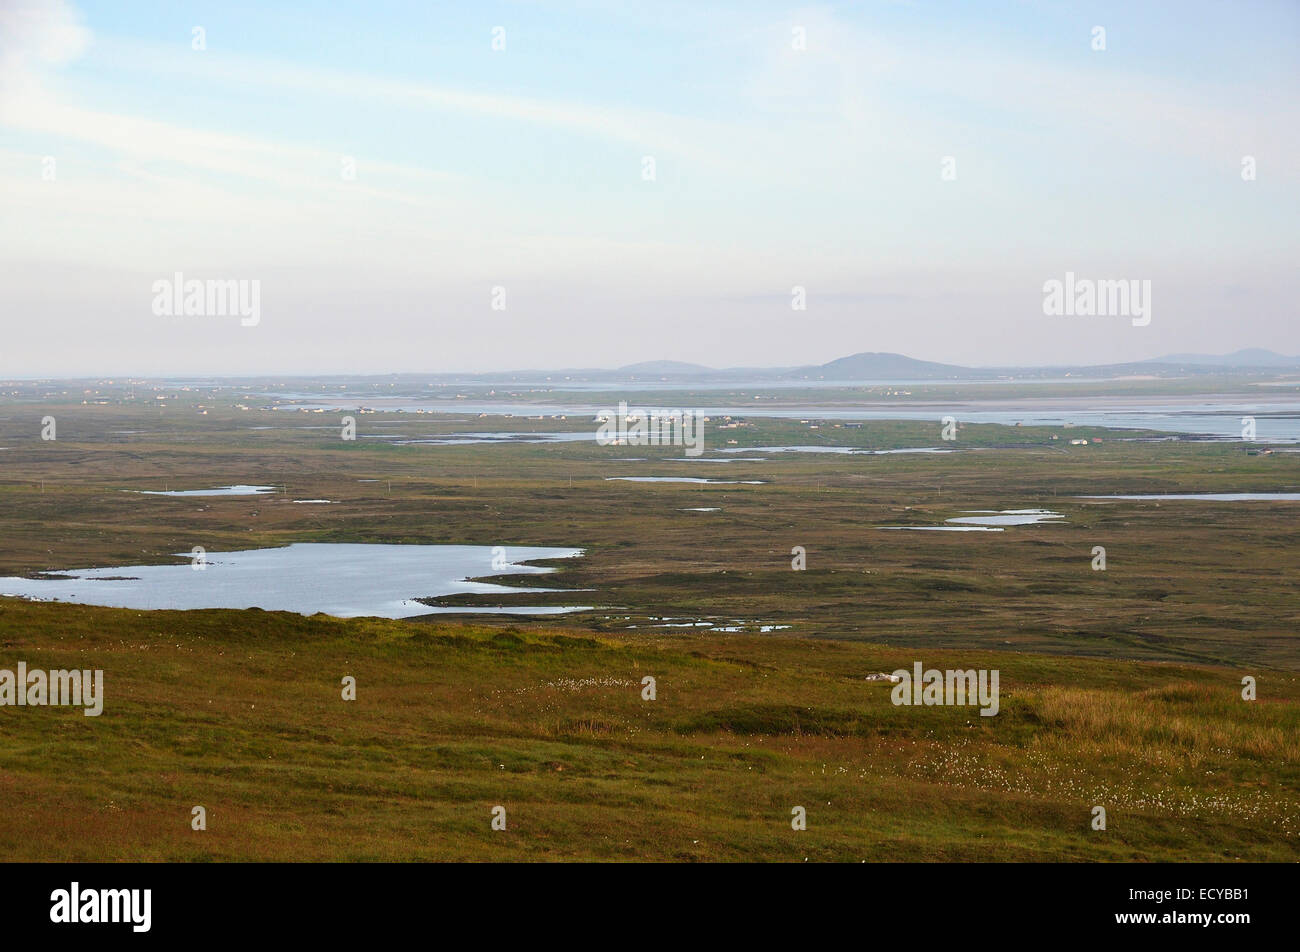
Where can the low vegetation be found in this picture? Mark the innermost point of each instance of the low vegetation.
(1120, 688)
(242, 713)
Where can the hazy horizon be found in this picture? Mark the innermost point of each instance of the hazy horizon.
(504, 371)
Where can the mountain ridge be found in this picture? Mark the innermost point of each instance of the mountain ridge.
(885, 365)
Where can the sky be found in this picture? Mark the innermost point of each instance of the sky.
(450, 187)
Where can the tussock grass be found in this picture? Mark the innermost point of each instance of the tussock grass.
(241, 712)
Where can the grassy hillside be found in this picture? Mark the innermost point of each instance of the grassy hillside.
(241, 712)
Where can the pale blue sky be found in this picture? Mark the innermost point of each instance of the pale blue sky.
(522, 168)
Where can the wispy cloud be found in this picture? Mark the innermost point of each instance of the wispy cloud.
(35, 35)
(776, 166)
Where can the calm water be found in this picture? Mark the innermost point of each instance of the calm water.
(1276, 420)
(988, 520)
(944, 528)
(1209, 497)
(687, 479)
(831, 449)
(1008, 517)
(470, 438)
(240, 490)
(346, 580)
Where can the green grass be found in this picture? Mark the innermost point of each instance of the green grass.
(241, 712)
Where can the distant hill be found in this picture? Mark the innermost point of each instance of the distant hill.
(880, 366)
(658, 367)
(1249, 357)
(877, 367)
